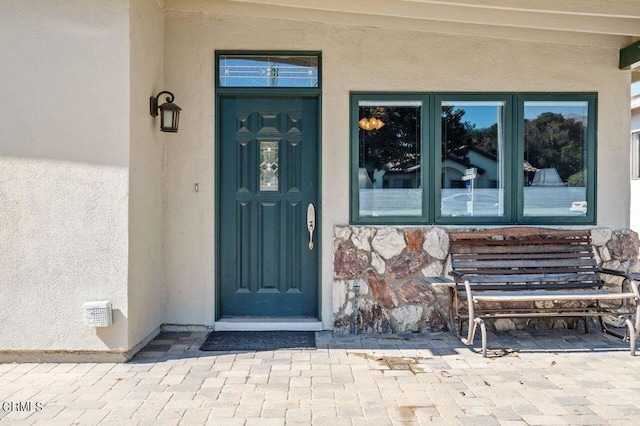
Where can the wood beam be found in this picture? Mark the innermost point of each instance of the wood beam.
(630, 56)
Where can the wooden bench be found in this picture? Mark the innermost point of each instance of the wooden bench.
(529, 272)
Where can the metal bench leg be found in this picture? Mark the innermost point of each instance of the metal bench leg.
(483, 333)
(471, 333)
(452, 300)
(634, 330)
(632, 336)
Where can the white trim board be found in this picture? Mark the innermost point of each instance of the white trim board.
(271, 324)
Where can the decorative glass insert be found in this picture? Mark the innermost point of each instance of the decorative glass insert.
(390, 166)
(268, 70)
(555, 158)
(269, 166)
(472, 158)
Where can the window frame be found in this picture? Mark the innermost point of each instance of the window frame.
(431, 163)
(591, 132)
(354, 196)
(260, 53)
(437, 145)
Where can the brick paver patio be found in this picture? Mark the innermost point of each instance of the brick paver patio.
(560, 377)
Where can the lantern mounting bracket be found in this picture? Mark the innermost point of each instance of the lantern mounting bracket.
(153, 102)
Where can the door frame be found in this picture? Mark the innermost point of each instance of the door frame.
(315, 93)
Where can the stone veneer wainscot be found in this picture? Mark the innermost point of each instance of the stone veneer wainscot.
(380, 270)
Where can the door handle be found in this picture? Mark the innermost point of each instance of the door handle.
(311, 223)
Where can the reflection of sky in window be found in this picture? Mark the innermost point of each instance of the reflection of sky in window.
(635, 88)
(576, 110)
(485, 114)
(480, 114)
(481, 117)
(255, 72)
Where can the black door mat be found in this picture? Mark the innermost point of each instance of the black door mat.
(232, 341)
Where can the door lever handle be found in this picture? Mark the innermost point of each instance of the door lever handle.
(311, 223)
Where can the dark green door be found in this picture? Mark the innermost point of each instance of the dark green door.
(268, 149)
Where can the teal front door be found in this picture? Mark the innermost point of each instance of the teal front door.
(268, 171)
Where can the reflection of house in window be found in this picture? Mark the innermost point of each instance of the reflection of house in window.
(458, 184)
(547, 177)
(401, 176)
(455, 164)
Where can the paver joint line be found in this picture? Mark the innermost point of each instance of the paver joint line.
(369, 380)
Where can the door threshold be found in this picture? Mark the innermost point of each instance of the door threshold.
(268, 324)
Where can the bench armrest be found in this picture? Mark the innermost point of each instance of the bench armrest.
(458, 275)
(633, 278)
(439, 282)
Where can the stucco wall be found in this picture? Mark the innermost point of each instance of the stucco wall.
(64, 155)
(356, 59)
(146, 292)
(635, 184)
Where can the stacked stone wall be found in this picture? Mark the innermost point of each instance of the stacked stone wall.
(378, 288)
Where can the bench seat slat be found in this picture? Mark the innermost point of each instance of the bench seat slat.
(520, 232)
(536, 263)
(526, 272)
(530, 278)
(542, 295)
(541, 241)
(529, 286)
(591, 311)
(514, 256)
(525, 248)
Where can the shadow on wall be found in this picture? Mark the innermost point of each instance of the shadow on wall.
(112, 336)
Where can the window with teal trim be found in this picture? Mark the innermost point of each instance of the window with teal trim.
(476, 158)
(555, 148)
(389, 158)
(472, 145)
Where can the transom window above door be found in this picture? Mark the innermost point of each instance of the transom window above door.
(268, 69)
(473, 158)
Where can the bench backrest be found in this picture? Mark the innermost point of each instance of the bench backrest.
(525, 258)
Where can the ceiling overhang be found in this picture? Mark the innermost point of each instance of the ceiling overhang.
(611, 23)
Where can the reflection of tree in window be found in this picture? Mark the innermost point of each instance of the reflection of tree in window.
(553, 141)
(392, 153)
(457, 135)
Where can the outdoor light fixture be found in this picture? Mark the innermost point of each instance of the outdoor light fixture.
(371, 123)
(169, 112)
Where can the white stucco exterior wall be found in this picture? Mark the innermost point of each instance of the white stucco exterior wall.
(635, 183)
(64, 156)
(398, 61)
(145, 290)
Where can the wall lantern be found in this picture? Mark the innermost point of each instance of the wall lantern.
(169, 112)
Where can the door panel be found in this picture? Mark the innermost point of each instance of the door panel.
(268, 151)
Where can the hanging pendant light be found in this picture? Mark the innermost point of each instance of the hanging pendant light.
(370, 123)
